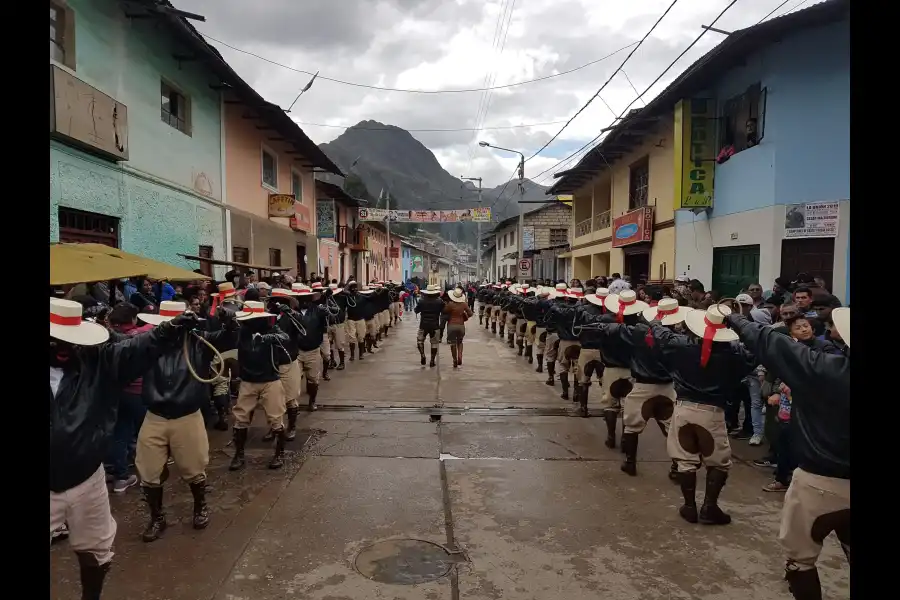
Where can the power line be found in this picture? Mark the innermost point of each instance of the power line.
(411, 91)
(451, 129)
(773, 11)
(602, 87)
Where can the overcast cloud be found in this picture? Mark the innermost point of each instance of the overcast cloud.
(449, 44)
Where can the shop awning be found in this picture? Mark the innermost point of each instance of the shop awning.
(231, 263)
(81, 263)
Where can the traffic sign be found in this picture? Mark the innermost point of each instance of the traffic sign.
(525, 268)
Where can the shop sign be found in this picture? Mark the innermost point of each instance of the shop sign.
(281, 205)
(301, 220)
(695, 153)
(633, 227)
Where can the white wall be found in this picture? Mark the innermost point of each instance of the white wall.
(696, 237)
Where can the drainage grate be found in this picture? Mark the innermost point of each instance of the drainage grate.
(404, 561)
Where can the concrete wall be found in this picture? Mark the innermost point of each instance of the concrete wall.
(167, 195)
(804, 155)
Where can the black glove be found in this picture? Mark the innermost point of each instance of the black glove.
(284, 309)
(185, 322)
(732, 320)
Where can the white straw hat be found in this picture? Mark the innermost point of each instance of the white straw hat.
(667, 311)
(711, 322)
(575, 292)
(303, 291)
(282, 293)
(624, 304)
(366, 290)
(431, 289)
(168, 310)
(561, 287)
(67, 325)
(226, 290)
(597, 297)
(456, 295)
(334, 288)
(252, 309)
(841, 319)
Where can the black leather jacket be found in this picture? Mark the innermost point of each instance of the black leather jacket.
(543, 308)
(515, 305)
(820, 395)
(257, 359)
(339, 300)
(713, 384)
(169, 390)
(314, 324)
(562, 315)
(84, 410)
(530, 309)
(489, 296)
(480, 295)
(382, 300)
(429, 309)
(369, 306)
(355, 306)
(287, 352)
(591, 338)
(645, 365)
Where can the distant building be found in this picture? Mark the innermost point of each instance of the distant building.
(547, 234)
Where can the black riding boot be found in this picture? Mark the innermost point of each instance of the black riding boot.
(493, 328)
(369, 344)
(221, 402)
(583, 399)
(421, 348)
(502, 329)
(325, 375)
(564, 382)
(240, 440)
(291, 432)
(312, 390)
(157, 524)
(341, 366)
(540, 362)
(201, 509)
(521, 346)
(629, 447)
(278, 458)
(331, 362)
(352, 352)
(92, 575)
(434, 352)
(673, 471)
(710, 513)
(529, 353)
(551, 368)
(453, 354)
(611, 417)
(688, 483)
(510, 340)
(804, 585)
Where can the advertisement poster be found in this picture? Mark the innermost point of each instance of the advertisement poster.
(325, 221)
(527, 238)
(695, 153)
(812, 220)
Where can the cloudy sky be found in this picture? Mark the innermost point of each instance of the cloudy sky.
(436, 45)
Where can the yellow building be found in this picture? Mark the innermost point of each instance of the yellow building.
(623, 215)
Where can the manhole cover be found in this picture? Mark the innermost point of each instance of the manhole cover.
(405, 562)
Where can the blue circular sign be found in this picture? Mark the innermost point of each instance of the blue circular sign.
(626, 231)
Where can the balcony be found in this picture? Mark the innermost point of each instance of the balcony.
(354, 238)
(602, 220)
(583, 227)
(594, 224)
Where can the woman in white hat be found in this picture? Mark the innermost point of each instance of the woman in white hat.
(174, 425)
(260, 380)
(458, 312)
(429, 309)
(818, 499)
(86, 376)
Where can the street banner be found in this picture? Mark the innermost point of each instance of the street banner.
(811, 220)
(482, 215)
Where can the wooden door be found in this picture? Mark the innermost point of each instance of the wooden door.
(809, 255)
(734, 268)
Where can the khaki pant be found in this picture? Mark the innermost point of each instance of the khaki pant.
(589, 363)
(396, 309)
(325, 347)
(183, 439)
(540, 334)
(521, 329)
(356, 331)
(269, 395)
(552, 349)
(501, 317)
(291, 377)
(814, 506)
(511, 320)
(432, 338)
(481, 307)
(616, 384)
(338, 335)
(385, 318)
(372, 326)
(455, 333)
(85, 509)
(311, 366)
(221, 385)
(565, 363)
(648, 401)
(697, 434)
(493, 313)
(530, 327)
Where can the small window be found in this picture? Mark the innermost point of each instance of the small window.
(559, 237)
(174, 108)
(62, 34)
(297, 186)
(639, 184)
(240, 255)
(269, 169)
(206, 267)
(274, 257)
(742, 123)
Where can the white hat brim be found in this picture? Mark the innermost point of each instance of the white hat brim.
(366, 292)
(695, 322)
(841, 319)
(456, 298)
(668, 320)
(594, 299)
(429, 292)
(85, 334)
(246, 316)
(336, 290)
(153, 319)
(612, 305)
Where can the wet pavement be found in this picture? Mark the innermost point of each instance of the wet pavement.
(484, 470)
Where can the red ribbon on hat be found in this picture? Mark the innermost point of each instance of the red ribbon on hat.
(709, 333)
(170, 313)
(213, 305)
(253, 309)
(659, 317)
(61, 320)
(620, 314)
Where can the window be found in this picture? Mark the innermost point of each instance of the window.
(62, 34)
(78, 226)
(297, 186)
(559, 237)
(274, 257)
(269, 169)
(240, 255)
(743, 119)
(639, 184)
(174, 108)
(206, 267)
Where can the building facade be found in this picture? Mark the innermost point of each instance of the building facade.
(547, 234)
(780, 206)
(135, 148)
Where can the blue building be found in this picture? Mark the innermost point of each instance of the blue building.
(781, 183)
(135, 133)
(406, 262)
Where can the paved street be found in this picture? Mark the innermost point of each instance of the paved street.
(524, 502)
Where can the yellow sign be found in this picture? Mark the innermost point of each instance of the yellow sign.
(695, 152)
(566, 198)
(281, 205)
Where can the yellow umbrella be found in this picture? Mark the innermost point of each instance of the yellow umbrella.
(71, 265)
(153, 269)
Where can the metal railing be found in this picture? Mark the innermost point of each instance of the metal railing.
(602, 220)
(583, 227)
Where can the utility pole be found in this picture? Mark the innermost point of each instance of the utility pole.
(478, 225)
(390, 261)
(521, 243)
